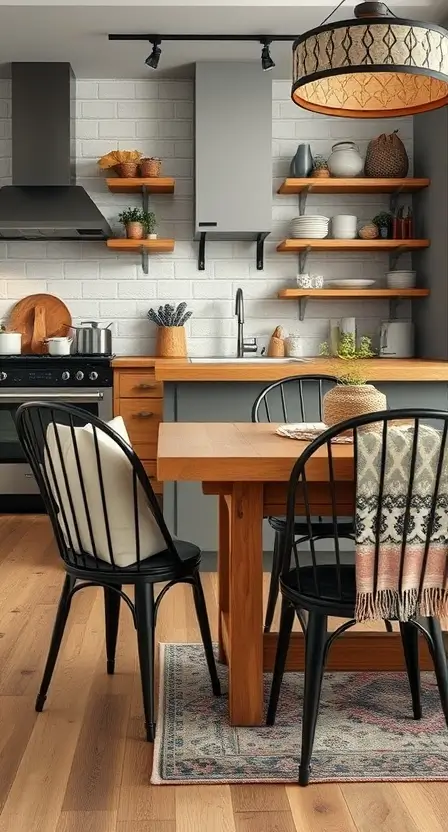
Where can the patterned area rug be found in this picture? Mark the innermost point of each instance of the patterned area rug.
(365, 730)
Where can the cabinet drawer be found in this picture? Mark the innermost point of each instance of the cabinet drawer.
(142, 418)
(140, 385)
(150, 467)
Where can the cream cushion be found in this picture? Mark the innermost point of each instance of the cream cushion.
(119, 495)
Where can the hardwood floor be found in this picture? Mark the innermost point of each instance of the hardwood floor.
(82, 765)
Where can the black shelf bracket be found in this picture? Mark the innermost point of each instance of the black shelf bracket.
(303, 196)
(395, 255)
(145, 261)
(394, 199)
(260, 249)
(145, 198)
(302, 307)
(303, 257)
(201, 254)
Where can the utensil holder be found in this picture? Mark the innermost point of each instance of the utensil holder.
(171, 342)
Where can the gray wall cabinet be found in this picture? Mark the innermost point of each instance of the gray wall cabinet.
(193, 516)
(431, 220)
(233, 123)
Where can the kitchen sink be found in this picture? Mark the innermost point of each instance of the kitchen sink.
(254, 360)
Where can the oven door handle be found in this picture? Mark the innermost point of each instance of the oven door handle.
(16, 398)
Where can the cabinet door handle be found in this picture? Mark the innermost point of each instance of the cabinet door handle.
(144, 414)
(145, 386)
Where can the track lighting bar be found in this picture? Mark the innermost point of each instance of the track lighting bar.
(236, 38)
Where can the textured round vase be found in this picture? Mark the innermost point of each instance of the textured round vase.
(302, 163)
(344, 401)
(387, 157)
(135, 231)
(171, 342)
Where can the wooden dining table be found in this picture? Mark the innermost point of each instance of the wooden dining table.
(247, 466)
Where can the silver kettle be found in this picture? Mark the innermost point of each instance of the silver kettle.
(92, 339)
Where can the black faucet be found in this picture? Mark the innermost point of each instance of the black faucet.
(243, 344)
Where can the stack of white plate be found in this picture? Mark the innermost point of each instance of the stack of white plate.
(309, 227)
(401, 279)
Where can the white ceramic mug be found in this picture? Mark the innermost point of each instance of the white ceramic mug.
(344, 227)
(59, 346)
(304, 281)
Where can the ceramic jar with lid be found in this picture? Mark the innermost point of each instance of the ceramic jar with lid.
(345, 160)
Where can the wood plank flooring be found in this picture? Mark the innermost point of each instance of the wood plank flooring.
(82, 765)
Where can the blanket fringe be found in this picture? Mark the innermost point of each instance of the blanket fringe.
(390, 604)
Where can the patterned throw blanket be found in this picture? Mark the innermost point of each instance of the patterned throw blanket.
(387, 601)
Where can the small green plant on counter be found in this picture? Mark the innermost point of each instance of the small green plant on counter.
(131, 215)
(347, 350)
(149, 221)
(170, 315)
(383, 222)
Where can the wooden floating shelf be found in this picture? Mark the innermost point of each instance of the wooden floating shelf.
(149, 246)
(292, 246)
(152, 184)
(352, 186)
(291, 294)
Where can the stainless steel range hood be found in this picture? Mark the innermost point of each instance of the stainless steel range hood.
(43, 203)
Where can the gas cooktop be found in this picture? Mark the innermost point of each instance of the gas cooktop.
(55, 371)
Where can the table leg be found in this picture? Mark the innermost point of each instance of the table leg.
(246, 605)
(223, 569)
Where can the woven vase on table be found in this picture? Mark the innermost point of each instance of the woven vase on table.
(344, 401)
(386, 158)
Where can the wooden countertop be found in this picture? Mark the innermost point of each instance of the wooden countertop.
(376, 369)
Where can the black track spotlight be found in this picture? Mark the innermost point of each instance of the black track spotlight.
(153, 59)
(266, 61)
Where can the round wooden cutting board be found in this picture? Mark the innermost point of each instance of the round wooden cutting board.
(38, 317)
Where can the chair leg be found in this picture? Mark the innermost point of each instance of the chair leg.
(286, 622)
(56, 639)
(409, 638)
(144, 610)
(274, 582)
(112, 614)
(440, 662)
(204, 626)
(316, 637)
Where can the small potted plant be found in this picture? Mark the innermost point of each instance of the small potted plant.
(352, 396)
(320, 168)
(150, 224)
(133, 221)
(383, 222)
(171, 337)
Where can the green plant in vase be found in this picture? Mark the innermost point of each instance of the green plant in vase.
(149, 220)
(348, 351)
(320, 168)
(351, 396)
(132, 219)
(383, 222)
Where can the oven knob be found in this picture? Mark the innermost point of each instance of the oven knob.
(93, 375)
(3, 376)
(65, 375)
(79, 375)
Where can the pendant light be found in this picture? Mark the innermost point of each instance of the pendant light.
(376, 65)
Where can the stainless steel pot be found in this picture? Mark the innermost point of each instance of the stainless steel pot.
(92, 339)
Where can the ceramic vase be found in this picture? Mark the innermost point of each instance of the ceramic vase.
(302, 163)
(345, 161)
(344, 401)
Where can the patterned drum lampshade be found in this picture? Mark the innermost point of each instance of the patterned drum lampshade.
(374, 66)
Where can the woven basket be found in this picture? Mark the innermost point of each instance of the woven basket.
(321, 173)
(386, 157)
(171, 342)
(348, 400)
(150, 167)
(127, 170)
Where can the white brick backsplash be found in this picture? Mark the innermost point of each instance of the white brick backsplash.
(98, 109)
(116, 90)
(137, 289)
(156, 118)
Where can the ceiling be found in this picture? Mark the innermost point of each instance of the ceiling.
(61, 31)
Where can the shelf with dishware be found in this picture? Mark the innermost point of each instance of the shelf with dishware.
(392, 295)
(364, 185)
